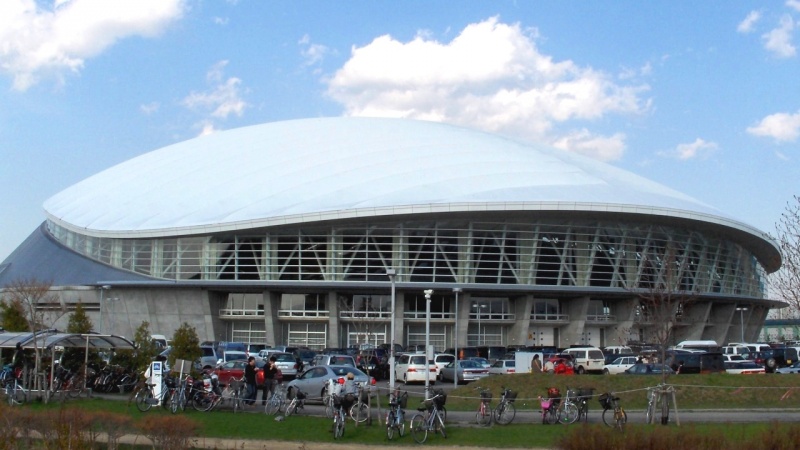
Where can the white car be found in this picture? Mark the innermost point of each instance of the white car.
(619, 365)
(744, 368)
(503, 367)
(412, 368)
(441, 360)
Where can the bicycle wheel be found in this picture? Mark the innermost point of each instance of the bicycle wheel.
(237, 402)
(174, 403)
(442, 411)
(359, 412)
(144, 400)
(202, 402)
(292, 408)
(17, 395)
(608, 417)
(75, 386)
(273, 406)
(484, 416)
(567, 413)
(440, 425)
(552, 416)
(648, 416)
(400, 425)
(505, 413)
(390, 424)
(419, 430)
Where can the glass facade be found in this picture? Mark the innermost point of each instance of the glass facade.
(537, 253)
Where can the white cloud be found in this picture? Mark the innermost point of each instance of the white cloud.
(794, 4)
(49, 42)
(747, 25)
(779, 40)
(604, 148)
(222, 99)
(312, 53)
(782, 127)
(696, 149)
(150, 108)
(491, 77)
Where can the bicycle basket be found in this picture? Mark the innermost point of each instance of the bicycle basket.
(545, 402)
(403, 400)
(170, 382)
(511, 396)
(486, 397)
(236, 384)
(337, 400)
(440, 401)
(605, 401)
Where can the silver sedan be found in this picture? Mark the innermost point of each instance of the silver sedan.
(465, 370)
(314, 381)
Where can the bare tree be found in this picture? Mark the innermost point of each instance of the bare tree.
(41, 309)
(786, 281)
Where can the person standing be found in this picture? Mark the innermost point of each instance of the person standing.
(250, 381)
(536, 364)
(270, 370)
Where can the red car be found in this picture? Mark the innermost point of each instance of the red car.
(235, 369)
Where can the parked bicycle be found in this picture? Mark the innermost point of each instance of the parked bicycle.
(550, 405)
(359, 412)
(297, 403)
(235, 390)
(484, 415)
(207, 394)
(429, 420)
(617, 418)
(584, 394)
(276, 401)
(395, 417)
(339, 417)
(568, 409)
(67, 382)
(652, 403)
(505, 412)
(14, 391)
(146, 397)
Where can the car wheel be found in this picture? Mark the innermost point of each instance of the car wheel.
(606, 372)
(581, 370)
(771, 363)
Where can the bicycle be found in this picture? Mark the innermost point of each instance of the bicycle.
(395, 417)
(431, 420)
(276, 401)
(549, 408)
(505, 412)
(236, 388)
(652, 402)
(146, 397)
(178, 399)
(568, 409)
(67, 382)
(298, 402)
(618, 417)
(14, 391)
(338, 415)
(484, 415)
(359, 412)
(584, 394)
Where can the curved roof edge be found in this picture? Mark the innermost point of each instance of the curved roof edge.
(765, 249)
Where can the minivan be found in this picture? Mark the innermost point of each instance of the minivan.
(586, 359)
(695, 362)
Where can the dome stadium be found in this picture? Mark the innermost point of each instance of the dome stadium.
(297, 233)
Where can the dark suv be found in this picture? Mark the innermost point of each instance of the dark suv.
(695, 362)
(776, 357)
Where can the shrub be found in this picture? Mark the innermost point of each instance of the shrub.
(168, 432)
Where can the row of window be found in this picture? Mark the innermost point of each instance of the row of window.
(583, 254)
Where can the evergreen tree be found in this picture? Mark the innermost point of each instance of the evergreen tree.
(146, 349)
(13, 316)
(185, 344)
(79, 323)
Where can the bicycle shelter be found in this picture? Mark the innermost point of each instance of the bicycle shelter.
(49, 339)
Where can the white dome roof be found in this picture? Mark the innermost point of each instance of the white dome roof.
(318, 169)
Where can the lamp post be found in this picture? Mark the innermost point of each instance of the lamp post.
(428, 293)
(391, 274)
(455, 342)
(741, 310)
(103, 289)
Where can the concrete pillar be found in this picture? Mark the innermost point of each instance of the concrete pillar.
(577, 309)
(333, 320)
(519, 333)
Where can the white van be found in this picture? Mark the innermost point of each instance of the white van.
(706, 346)
(586, 359)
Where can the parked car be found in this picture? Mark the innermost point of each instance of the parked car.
(333, 360)
(314, 381)
(619, 365)
(253, 349)
(306, 356)
(777, 357)
(374, 363)
(208, 357)
(413, 367)
(743, 367)
(464, 352)
(586, 359)
(482, 361)
(649, 369)
(465, 370)
(794, 368)
(735, 358)
(235, 369)
(286, 363)
(695, 362)
(611, 357)
(232, 355)
(503, 367)
(443, 359)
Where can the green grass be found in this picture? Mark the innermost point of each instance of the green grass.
(693, 392)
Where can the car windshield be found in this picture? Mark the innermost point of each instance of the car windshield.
(343, 371)
(469, 364)
(286, 357)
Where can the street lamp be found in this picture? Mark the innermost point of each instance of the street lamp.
(103, 289)
(391, 274)
(741, 310)
(478, 307)
(428, 293)
(455, 342)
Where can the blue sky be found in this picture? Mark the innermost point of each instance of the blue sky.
(703, 97)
